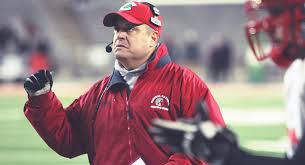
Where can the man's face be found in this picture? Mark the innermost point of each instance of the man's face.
(132, 43)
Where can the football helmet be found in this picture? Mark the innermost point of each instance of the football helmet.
(276, 29)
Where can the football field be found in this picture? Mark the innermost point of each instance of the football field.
(254, 111)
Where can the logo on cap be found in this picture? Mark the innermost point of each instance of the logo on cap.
(128, 6)
(156, 11)
(154, 20)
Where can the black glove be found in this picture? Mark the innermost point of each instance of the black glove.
(213, 145)
(172, 133)
(38, 83)
(197, 137)
(179, 133)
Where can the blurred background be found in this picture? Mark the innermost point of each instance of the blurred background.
(67, 37)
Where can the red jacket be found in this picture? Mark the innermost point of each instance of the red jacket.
(110, 124)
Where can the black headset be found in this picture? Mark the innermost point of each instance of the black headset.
(108, 48)
(155, 12)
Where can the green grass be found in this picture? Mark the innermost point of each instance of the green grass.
(269, 132)
(250, 102)
(20, 144)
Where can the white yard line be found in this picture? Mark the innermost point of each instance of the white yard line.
(254, 117)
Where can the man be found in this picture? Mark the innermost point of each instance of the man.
(279, 35)
(110, 121)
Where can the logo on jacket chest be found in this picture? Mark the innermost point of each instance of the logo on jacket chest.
(160, 102)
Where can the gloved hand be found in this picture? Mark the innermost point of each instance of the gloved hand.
(213, 144)
(175, 134)
(38, 83)
(197, 137)
(178, 134)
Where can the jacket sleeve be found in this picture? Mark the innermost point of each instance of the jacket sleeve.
(54, 123)
(194, 90)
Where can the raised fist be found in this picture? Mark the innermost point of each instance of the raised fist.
(38, 83)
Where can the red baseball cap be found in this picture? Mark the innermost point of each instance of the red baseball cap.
(136, 13)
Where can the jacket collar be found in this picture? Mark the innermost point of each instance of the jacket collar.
(158, 60)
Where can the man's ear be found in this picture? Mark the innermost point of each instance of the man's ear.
(154, 38)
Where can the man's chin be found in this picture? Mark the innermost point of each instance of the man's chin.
(120, 53)
(120, 56)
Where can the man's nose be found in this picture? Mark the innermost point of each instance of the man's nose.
(121, 34)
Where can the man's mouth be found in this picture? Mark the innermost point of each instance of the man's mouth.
(120, 45)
